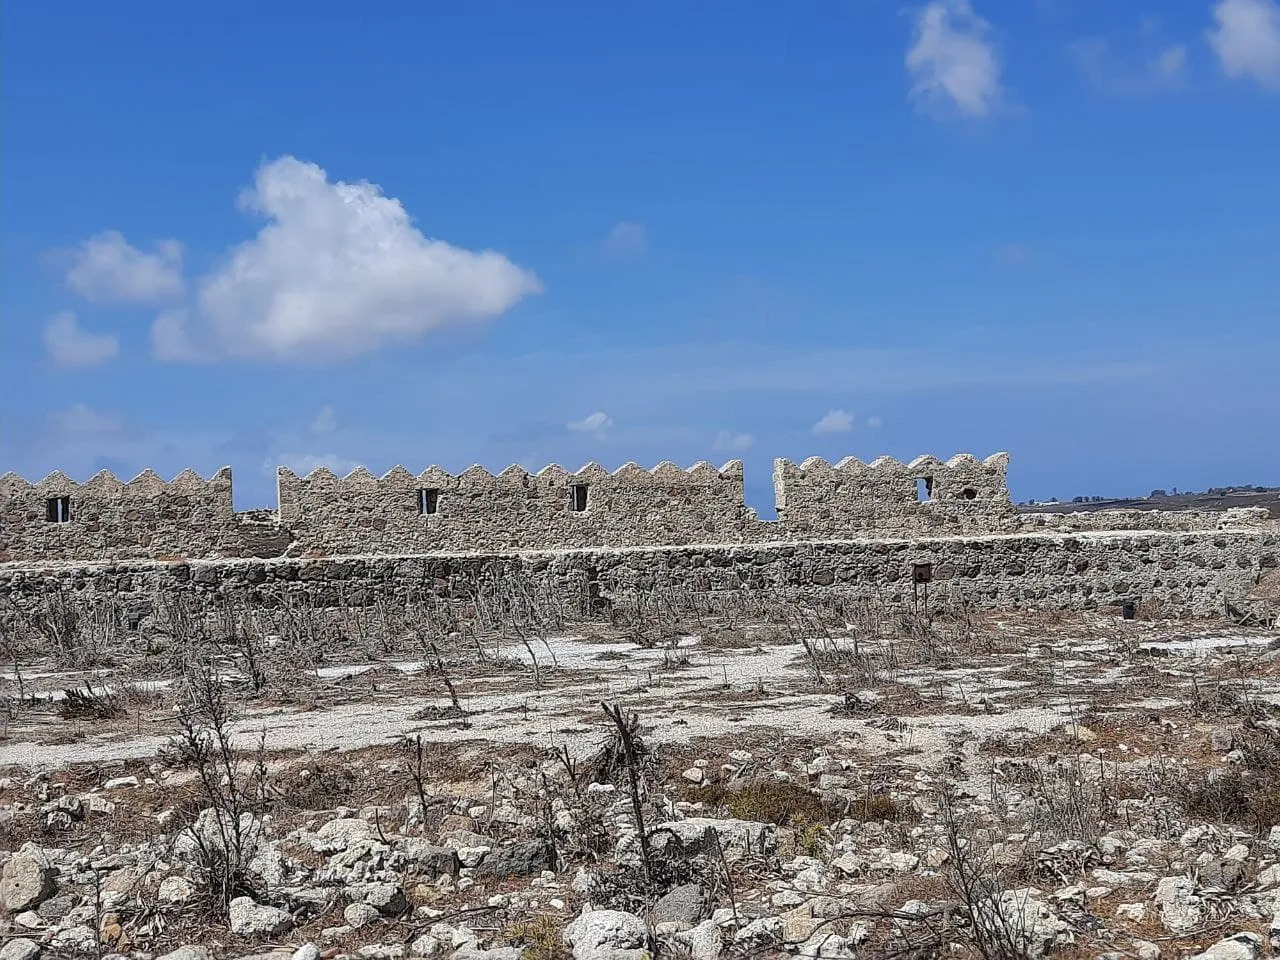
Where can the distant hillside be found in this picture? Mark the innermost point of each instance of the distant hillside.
(1215, 498)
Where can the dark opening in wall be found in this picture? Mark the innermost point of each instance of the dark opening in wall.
(428, 501)
(924, 489)
(968, 493)
(921, 572)
(578, 497)
(58, 509)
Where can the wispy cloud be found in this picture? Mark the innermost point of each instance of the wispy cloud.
(726, 441)
(82, 422)
(594, 423)
(834, 421)
(72, 346)
(325, 422)
(626, 241)
(1157, 66)
(1012, 254)
(1246, 39)
(952, 60)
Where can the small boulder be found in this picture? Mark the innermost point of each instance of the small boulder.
(387, 898)
(1180, 909)
(517, 860)
(20, 948)
(683, 905)
(1243, 946)
(599, 934)
(430, 860)
(27, 880)
(697, 836)
(339, 834)
(358, 915)
(175, 889)
(249, 918)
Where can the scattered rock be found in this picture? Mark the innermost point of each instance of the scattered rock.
(683, 905)
(358, 915)
(1180, 909)
(249, 918)
(697, 836)
(599, 934)
(27, 880)
(20, 948)
(1243, 946)
(517, 860)
(387, 898)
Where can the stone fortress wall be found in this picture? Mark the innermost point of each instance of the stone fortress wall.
(878, 529)
(475, 510)
(59, 519)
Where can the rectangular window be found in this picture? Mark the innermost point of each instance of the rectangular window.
(428, 501)
(578, 497)
(921, 572)
(924, 489)
(58, 509)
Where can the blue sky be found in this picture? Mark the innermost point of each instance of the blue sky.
(307, 234)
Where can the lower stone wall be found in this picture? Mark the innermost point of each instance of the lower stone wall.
(1194, 574)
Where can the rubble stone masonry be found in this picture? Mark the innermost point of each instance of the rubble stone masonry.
(877, 530)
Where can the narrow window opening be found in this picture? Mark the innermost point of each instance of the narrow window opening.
(58, 509)
(968, 493)
(428, 501)
(921, 572)
(578, 497)
(924, 489)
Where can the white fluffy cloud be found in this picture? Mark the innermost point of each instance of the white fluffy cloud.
(1246, 39)
(338, 270)
(728, 442)
(626, 241)
(952, 61)
(71, 346)
(596, 423)
(834, 421)
(107, 269)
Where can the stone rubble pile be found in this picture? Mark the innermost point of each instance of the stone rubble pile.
(513, 868)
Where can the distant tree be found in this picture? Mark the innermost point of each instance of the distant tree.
(1156, 494)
